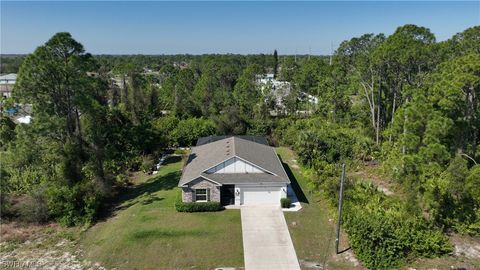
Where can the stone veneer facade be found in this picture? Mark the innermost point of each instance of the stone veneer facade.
(187, 192)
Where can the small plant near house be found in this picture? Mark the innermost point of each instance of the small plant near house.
(198, 207)
(190, 207)
(285, 202)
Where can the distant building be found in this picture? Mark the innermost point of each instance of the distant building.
(278, 89)
(307, 97)
(6, 84)
(181, 65)
(267, 78)
(24, 119)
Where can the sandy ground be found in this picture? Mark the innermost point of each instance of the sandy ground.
(41, 247)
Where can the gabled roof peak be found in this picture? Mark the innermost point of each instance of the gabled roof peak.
(210, 152)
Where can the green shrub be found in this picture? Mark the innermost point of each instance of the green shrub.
(6, 209)
(197, 206)
(386, 239)
(179, 151)
(147, 164)
(285, 202)
(34, 208)
(122, 178)
(383, 233)
(73, 206)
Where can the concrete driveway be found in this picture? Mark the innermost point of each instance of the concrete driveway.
(266, 240)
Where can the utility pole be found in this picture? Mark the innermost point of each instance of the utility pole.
(340, 203)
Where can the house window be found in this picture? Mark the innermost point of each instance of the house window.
(202, 195)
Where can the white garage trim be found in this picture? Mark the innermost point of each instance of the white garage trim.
(255, 195)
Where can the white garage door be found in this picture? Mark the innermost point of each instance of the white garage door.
(261, 195)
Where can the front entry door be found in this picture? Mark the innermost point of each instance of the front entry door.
(227, 194)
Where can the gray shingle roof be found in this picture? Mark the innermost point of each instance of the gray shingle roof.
(212, 138)
(205, 156)
(243, 178)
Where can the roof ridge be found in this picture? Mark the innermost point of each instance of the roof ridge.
(234, 152)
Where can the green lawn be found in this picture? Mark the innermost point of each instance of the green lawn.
(147, 232)
(313, 234)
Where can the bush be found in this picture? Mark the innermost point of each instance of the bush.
(5, 205)
(385, 240)
(122, 178)
(34, 209)
(197, 206)
(179, 151)
(285, 202)
(147, 164)
(74, 205)
(383, 234)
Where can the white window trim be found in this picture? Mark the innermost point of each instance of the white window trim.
(207, 194)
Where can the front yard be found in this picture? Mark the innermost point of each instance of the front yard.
(146, 232)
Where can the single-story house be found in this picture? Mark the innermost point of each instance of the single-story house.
(234, 170)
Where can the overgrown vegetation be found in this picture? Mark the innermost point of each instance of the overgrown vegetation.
(384, 232)
(405, 101)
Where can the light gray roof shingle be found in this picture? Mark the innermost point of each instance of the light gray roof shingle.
(212, 138)
(205, 156)
(243, 178)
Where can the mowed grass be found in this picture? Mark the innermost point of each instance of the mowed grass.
(313, 234)
(146, 232)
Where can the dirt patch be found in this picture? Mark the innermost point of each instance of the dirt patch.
(15, 231)
(311, 265)
(468, 247)
(349, 256)
(41, 247)
(293, 163)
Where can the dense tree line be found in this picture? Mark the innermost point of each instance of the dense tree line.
(410, 103)
(405, 101)
(96, 118)
(10, 63)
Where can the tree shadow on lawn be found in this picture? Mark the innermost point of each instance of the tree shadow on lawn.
(142, 193)
(294, 184)
(172, 159)
(166, 233)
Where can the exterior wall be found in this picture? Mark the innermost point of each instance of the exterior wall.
(235, 165)
(284, 192)
(6, 90)
(187, 192)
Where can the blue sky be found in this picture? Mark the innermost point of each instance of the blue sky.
(221, 27)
